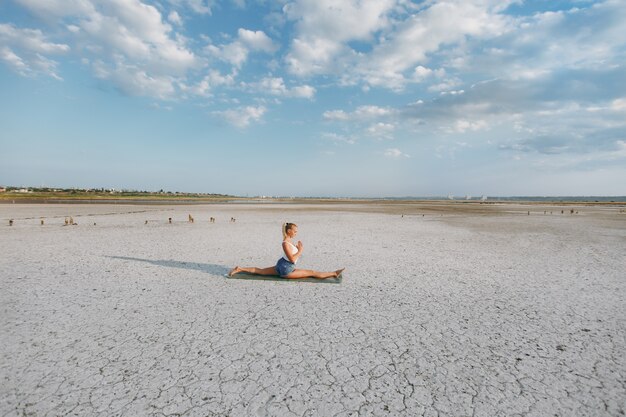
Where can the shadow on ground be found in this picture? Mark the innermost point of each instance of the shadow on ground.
(208, 268)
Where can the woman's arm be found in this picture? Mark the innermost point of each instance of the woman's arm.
(292, 258)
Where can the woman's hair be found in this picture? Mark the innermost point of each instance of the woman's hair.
(286, 227)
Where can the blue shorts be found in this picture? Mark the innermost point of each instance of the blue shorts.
(284, 267)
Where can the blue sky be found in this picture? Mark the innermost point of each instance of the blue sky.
(315, 97)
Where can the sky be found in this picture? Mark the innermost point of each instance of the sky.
(354, 98)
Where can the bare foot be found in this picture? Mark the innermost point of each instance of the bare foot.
(338, 272)
(234, 271)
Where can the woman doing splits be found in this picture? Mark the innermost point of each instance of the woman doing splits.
(286, 265)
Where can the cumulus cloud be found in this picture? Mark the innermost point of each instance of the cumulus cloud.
(381, 130)
(421, 73)
(425, 33)
(399, 37)
(474, 66)
(131, 42)
(133, 80)
(276, 86)
(324, 27)
(303, 91)
(440, 24)
(242, 117)
(365, 121)
(236, 52)
(209, 82)
(30, 66)
(504, 99)
(25, 50)
(175, 18)
(256, 40)
(336, 115)
(137, 32)
(368, 120)
(578, 111)
(32, 40)
(389, 44)
(538, 44)
(197, 6)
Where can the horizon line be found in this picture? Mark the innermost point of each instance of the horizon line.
(449, 197)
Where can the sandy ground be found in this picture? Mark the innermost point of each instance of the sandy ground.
(440, 313)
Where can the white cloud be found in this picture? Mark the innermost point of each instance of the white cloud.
(14, 61)
(32, 40)
(397, 36)
(395, 153)
(175, 18)
(312, 57)
(51, 9)
(362, 113)
(588, 36)
(381, 130)
(135, 81)
(444, 86)
(462, 126)
(130, 40)
(619, 104)
(276, 86)
(366, 112)
(323, 27)
(335, 115)
(23, 50)
(197, 6)
(303, 91)
(395, 42)
(256, 40)
(242, 117)
(424, 33)
(136, 31)
(213, 79)
(236, 52)
(422, 73)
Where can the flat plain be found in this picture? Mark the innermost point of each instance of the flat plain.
(445, 309)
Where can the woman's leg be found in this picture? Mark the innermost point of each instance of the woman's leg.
(253, 270)
(309, 273)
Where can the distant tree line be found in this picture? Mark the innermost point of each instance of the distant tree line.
(102, 190)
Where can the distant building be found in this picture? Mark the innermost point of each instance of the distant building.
(3, 190)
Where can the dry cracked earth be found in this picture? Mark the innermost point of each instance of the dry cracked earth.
(511, 315)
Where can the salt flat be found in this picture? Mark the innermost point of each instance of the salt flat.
(495, 313)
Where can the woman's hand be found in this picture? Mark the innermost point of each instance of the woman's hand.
(299, 246)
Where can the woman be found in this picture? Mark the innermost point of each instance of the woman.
(286, 265)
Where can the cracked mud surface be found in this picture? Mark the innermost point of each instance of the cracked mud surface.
(458, 315)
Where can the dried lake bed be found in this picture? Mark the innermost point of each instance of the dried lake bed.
(498, 310)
